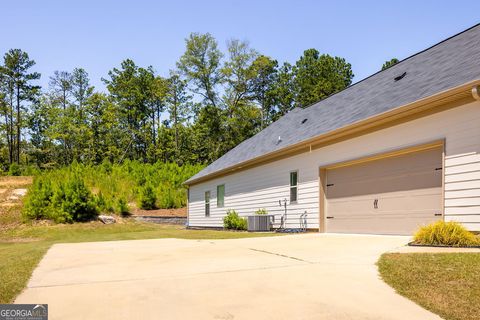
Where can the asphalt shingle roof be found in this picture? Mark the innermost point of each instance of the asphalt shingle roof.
(446, 65)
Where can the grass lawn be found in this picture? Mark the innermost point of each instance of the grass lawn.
(447, 284)
(22, 247)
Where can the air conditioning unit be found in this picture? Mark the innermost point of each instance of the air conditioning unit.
(260, 222)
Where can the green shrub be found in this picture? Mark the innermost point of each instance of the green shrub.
(75, 199)
(38, 199)
(14, 170)
(147, 198)
(101, 202)
(113, 187)
(233, 221)
(59, 216)
(446, 233)
(64, 200)
(122, 206)
(104, 203)
(106, 166)
(170, 197)
(30, 170)
(261, 211)
(22, 170)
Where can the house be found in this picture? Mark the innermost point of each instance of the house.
(394, 151)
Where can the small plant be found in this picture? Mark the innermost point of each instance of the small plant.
(38, 200)
(29, 170)
(261, 211)
(106, 166)
(122, 206)
(14, 170)
(101, 202)
(62, 201)
(147, 197)
(232, 221)
(75, 199)
(447, 234)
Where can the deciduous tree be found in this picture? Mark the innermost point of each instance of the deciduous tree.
(201, 64)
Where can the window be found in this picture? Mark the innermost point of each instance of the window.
(207, 203)
(293, 186)
(220, 195)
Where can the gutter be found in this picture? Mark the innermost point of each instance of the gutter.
(469, 90)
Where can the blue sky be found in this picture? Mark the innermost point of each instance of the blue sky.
(98, 35)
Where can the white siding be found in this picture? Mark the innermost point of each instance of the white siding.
(262, 187)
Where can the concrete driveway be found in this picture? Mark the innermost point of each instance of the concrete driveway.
(312, 276)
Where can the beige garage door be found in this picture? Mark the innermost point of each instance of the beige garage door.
(394, 195)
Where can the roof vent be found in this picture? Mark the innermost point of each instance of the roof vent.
(279, 139)
(304, 120)
(400, 77)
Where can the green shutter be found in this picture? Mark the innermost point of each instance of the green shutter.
(293, 179)
(220, 195)
(207, 203)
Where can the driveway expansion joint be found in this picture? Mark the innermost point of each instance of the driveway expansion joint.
(281, 255)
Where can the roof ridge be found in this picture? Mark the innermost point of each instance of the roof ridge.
(396, 64)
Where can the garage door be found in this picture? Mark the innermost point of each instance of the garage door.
(394, 195)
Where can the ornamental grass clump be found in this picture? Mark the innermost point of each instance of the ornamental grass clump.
(443, 233)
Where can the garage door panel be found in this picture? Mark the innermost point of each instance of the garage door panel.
(394, 195)
(413, 200)
(389, 166)
(427, 201)
(425, 180)
(351, 204)
(371, 172)
(398, 224)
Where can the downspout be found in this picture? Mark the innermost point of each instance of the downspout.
(476, 92)
(188, 207)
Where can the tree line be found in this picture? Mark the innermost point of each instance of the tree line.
(209, 102)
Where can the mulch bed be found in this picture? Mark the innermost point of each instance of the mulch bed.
(413, 244)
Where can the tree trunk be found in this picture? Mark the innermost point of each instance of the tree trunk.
(7, 129)
(10, 129)
(64, 102)
(18, 125)
(175, 121)
(154, 138)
